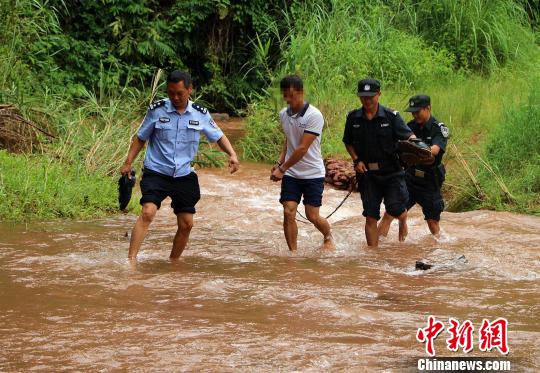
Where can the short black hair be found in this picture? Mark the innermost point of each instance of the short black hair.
(179, 76)
(291, 81)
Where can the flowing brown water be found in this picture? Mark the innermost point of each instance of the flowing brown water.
(237, 300)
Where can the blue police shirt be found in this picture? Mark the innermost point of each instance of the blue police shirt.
(173, 138)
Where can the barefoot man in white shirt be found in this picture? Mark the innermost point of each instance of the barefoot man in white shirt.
(300, 166)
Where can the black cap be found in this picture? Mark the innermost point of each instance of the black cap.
(416, 103)
(368, 87)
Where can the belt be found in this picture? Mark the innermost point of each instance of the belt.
(376, 166)
(423, 174)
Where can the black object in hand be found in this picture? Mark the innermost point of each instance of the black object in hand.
(125, 186)
(415, 152)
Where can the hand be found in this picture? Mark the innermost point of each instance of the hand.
(234, 164)
(277, 174)
(274, 167)
(125, 169)
(360, 167)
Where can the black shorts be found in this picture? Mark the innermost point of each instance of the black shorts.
(292, 189)
(427, 195)
(184, 191)
(374, 187)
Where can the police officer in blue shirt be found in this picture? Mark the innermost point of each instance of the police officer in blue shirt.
(370, 137)
(424, 182)
(172, 128)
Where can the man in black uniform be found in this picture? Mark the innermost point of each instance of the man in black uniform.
(371, 135)
(424, 182)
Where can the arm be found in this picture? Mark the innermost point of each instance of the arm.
(298, 154)
(214, 134)
(134, 149)
(225, 145)
(143, 134)
(281, 157)
(439, 140)
(280, 160)
(402, 130)
(359, 166)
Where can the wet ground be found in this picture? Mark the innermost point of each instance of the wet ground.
(238, 300)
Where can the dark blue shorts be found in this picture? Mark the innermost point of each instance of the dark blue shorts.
(292, 189)
(427, 195)
(374, 188)
(184, 191)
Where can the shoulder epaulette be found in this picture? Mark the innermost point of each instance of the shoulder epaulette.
(390, 110)
(199, 108)
(157, 104)
(352, 112)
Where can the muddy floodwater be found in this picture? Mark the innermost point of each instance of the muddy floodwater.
(237, 300)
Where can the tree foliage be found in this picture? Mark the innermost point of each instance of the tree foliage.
(234, 48)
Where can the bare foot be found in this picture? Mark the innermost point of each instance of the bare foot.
(403, 230)
(328, 244)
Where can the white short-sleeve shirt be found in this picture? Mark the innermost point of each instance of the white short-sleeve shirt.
(308, 120)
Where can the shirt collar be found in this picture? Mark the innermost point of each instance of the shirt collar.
(380, 112)
(189, 106)
(301, 113)
(169, 107)
(429, 123)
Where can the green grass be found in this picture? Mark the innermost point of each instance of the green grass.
(508, 167)
(483, 35)
(38, 187)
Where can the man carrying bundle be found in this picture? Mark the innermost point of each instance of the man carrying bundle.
(425, 174)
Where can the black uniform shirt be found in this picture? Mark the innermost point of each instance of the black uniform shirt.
(432, 132)
(374, 140)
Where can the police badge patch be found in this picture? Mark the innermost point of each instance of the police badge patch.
(444, 130)
(164, 119)
(213, 124)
